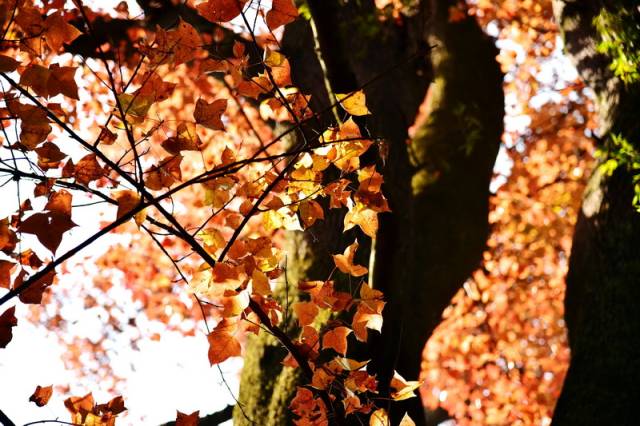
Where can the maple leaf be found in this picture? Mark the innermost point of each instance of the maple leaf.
(88, 169)
(354, 103)
(41, 395)
(310, 212)
(187, 419)
(403, 389)
(306, 312)
(8, 64)
(47, 227)
(48, 82)
(222, 343)
(127, 201)
(364, 217)
(336, 339)
(59, 32)
(106, 136)
(33, 294)
(209, 114)
(5, 273)
(60, 203)
(234, 303)
(164, 174)
(282, 12)
(49, 155)
(344, 262)
(260, 283)
(7, 322)
(221, 10)
(186, 139)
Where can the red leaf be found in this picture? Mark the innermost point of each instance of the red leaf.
(282, 12)
(41, 395)
(221, 10)
(7, 322)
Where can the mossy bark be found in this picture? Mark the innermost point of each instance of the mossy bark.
(602, 384)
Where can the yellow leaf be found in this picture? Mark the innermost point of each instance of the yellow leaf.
(379, 418)
(354, 103)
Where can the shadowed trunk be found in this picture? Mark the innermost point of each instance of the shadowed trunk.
(437, 185)
(601, 386)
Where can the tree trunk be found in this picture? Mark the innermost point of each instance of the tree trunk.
(601, 386)
(437, 185)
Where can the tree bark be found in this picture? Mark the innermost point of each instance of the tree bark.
(601, 386)
(437, 184)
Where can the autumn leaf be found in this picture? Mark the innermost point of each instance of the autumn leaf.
(88, 169)
(187, 419)
(336, 339)
(8, 64)
(364, 217)
(403, 389)
(354, 103)
(282, 12)
(221, 10)
(260, 283)
(222, 343)
(5, 273)
(7, 322)
(41, 395)
(210, 114)
(310, 212)
(60, 203)
(127, 201)
(344, 262)
(33, 294)
(59, 32)
(234, 303)
(47, 227)
(164, 174)
(379, 418)
(80, 404)
(306, 312)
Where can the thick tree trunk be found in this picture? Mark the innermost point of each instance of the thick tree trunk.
(437, 188)
(601, 386)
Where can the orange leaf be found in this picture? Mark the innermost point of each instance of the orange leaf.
(5, 273)
(222, 343)
(88, 169)
(221, 10)
(260, 283)
(41, 395)
(364, 217)
(209, 114)
(336, 339)
(306, 312)
(282, 12)
(164, 174)
(310, 212)
(59, 32)
(187, 419)
(7, 322)
(127, 201)
(344, 262)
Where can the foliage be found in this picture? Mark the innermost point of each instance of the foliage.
(167, 142)
(620, 33)
(501, 353)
